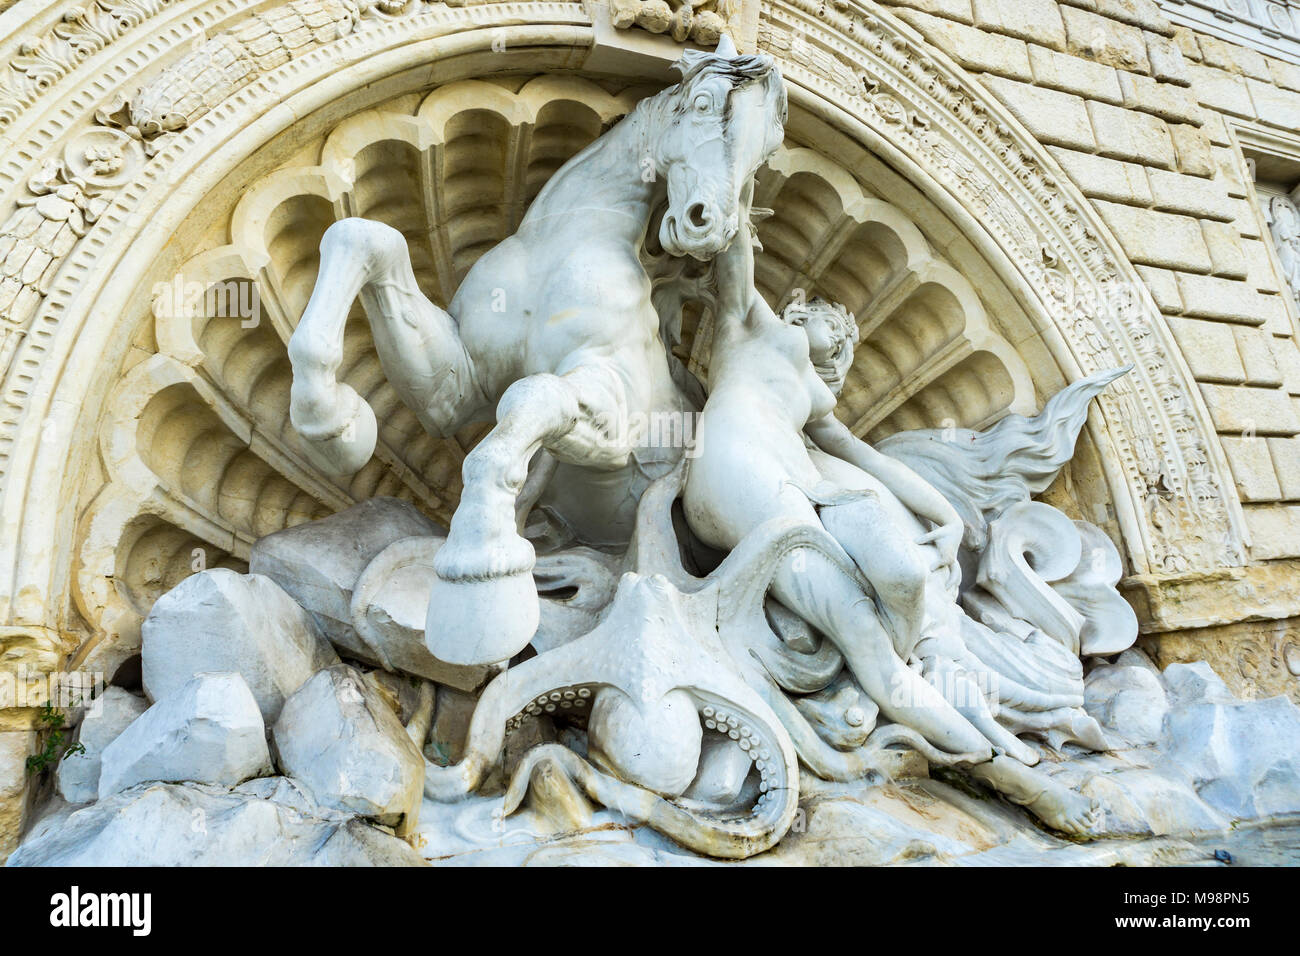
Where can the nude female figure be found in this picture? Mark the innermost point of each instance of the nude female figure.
(769, 445)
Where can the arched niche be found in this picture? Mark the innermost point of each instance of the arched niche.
(981, 282)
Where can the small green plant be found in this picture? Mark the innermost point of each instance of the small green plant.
(55, 750)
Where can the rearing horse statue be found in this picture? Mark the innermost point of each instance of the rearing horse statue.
(553, 333)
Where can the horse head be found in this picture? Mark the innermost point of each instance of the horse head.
(718, 125)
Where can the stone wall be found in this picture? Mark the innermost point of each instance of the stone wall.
(1147, 119)
(1140, 114)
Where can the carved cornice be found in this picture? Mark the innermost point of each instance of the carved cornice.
(43, 59)
(1270, 26)
(218, 66)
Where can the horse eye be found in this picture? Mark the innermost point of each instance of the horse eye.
(703, 103)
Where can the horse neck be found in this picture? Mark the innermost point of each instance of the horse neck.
(607, 176)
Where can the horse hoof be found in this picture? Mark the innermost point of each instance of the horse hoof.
(479, 622)
(346, 452)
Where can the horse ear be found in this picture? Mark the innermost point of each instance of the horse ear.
(726, 47)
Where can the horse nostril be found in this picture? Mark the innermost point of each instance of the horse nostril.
(697, 216)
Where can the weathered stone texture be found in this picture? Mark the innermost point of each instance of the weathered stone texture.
(1102, 178)
(959, 10)
(1104, 40)
(1252, 468)
(1222, 91)
(1036, 20)
(1057, 119)
(1210, 350)
(974, 49)
(1189, 195)
(1274, 531)
(1158, 238)
(1233, 58)
(1226, 253)
(1070, 74)
(1255, 411)
(1138, 137)
(1167, 62)
(1209, 297)
(1256, 355)
(1133, 109)
(1192, 146)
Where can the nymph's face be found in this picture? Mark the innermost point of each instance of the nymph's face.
(828, 347)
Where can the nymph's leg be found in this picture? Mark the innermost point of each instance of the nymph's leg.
(826, 597)
(962, 689)
(892, 562)
(900, 572)
(1055, 804)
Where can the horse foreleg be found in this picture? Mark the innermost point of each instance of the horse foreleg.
(484, 606)
(337, 423)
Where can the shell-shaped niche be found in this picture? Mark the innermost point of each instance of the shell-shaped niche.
(928, 356)
(199, 454)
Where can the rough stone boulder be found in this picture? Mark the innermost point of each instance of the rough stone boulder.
(1129, 701)
(340, 740)
(192, 825)
(219, 620)
(1195, 683)
(1240, 755)
(77, 777)
(389, 604)
(209, 731)
(319, 562)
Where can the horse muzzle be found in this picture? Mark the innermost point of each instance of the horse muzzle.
(701, 232)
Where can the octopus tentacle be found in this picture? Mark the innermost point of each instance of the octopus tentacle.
(654, 548)
(796, 672)
(506, 698)
(701, 831)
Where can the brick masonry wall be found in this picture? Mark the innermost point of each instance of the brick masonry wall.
(1137, 113)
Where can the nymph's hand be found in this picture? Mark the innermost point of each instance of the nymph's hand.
(947, 540)
(734, 268)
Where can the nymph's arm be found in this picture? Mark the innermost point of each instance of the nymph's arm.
(918, 495)
(739, 306)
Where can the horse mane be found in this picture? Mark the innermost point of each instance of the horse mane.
(739, 70)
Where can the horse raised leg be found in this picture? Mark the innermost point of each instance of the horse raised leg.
(417, 343)
(484, 606)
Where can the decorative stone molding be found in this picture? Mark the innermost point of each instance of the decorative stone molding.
(1189, 518)
(41, 60)
(701, 23)
(1270, 26)
(856, 69)
(219, 66)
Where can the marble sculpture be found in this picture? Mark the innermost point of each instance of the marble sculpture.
(855, 552)
(707, 621)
